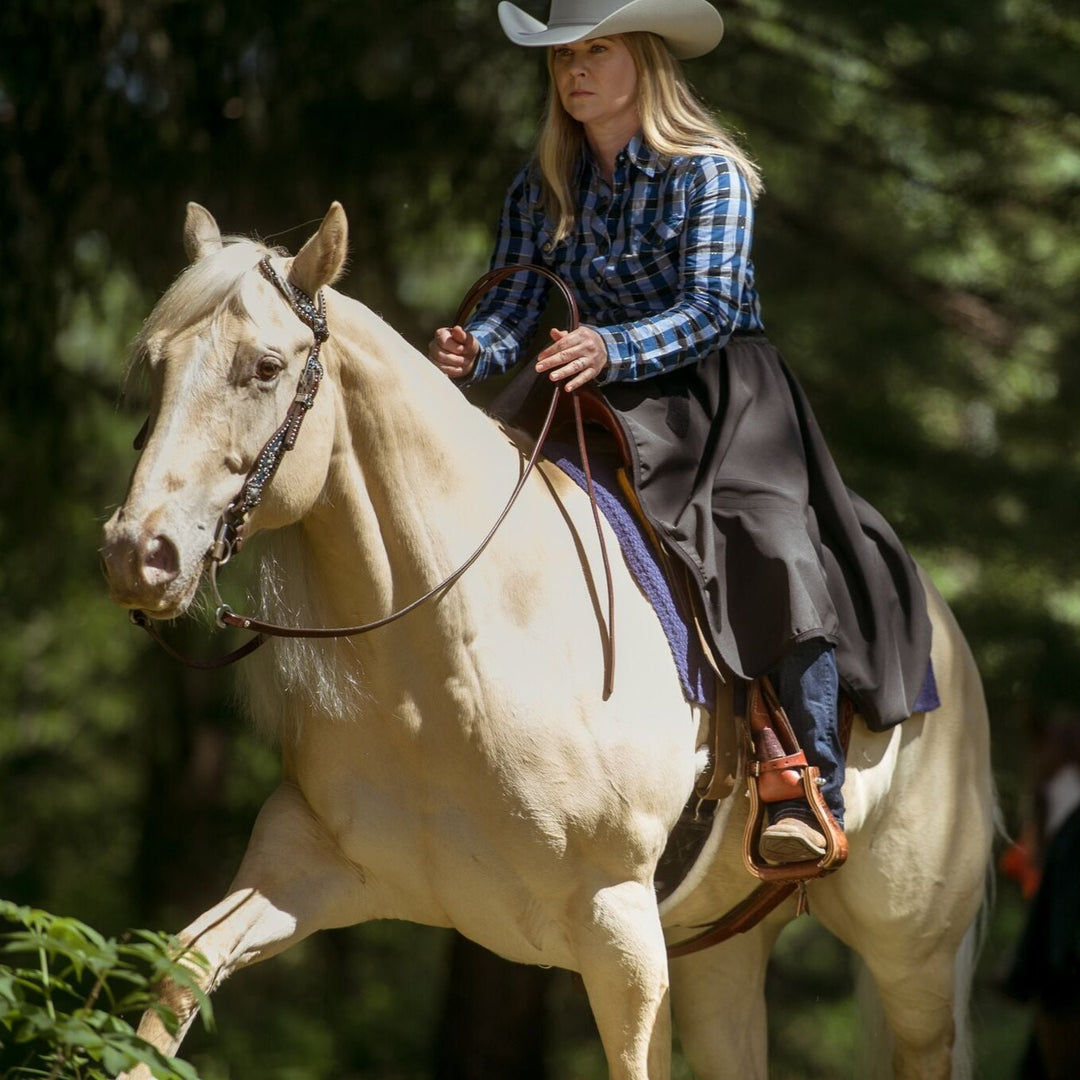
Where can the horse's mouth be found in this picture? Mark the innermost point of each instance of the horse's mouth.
(172, 602)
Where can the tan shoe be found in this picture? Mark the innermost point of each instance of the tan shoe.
(791, 840)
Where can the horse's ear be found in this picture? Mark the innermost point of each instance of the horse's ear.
(202, 236)
(320, 260)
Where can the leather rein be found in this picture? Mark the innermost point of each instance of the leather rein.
(229, 534)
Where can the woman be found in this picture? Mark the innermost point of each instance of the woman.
(644, 206)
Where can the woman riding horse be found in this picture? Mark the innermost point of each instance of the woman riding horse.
(644, 206)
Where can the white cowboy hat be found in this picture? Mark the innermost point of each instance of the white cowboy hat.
(689, 27)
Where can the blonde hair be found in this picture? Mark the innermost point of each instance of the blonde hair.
(673, 122)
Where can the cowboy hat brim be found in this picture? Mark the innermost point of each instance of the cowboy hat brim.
(689, 27)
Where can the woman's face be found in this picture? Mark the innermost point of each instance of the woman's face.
(597, 82)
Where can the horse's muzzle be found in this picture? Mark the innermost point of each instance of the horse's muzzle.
(141, 565)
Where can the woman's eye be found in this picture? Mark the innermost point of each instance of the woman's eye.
(267, 368)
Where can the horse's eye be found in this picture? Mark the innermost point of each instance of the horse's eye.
(267, 368)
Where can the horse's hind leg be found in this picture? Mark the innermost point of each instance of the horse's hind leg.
(919, 1010)
(622, 959)
(292, 882)
(719, 999)
(912, 955)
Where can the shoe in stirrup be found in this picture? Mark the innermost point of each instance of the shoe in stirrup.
(791, 840)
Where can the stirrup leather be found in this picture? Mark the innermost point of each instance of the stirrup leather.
(777, 770)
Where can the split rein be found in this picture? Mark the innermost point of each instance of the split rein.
(229, 537)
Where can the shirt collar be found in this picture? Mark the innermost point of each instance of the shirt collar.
(637, 152)
(644, 156)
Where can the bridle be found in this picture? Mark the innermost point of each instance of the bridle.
(229, 534)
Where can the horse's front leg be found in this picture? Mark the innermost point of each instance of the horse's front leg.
(292, 882)
(622, 959)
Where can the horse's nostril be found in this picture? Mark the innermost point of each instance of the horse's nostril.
(161, 562)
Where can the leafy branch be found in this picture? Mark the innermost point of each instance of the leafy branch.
(65, 993)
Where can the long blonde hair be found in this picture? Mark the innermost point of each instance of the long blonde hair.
(673, 122)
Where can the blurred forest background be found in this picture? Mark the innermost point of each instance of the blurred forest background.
(919, 259)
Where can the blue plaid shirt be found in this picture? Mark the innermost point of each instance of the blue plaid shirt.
(659, 263)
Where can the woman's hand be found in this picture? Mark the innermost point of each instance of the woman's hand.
(577, 355)
(453, 350)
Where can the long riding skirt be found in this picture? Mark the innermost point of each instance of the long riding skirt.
(733, 472)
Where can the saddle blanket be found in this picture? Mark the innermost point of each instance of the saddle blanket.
(695, 673)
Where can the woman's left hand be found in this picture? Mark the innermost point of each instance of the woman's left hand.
(576, 355)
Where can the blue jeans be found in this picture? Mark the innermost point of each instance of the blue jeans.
(808, 687)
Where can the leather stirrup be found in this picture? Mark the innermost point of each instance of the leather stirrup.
(778, 770)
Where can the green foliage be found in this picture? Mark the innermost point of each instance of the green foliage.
(66, 990)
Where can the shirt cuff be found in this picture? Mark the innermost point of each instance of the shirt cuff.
(481, 365)
(619, 354)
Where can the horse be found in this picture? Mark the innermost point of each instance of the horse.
(464, 766)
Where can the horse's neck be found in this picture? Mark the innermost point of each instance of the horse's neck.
(416, 470)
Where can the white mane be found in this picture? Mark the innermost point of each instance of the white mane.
(290, 675)
(200, 290)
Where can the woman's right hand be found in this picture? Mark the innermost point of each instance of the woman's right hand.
(453, 350)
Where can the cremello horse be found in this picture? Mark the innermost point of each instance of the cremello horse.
(461, 767)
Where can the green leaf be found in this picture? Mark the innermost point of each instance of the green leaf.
(162, 1066)
(77, 1033)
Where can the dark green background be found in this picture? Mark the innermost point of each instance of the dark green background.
(918, 259)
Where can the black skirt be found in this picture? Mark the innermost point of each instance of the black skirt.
(734, 474)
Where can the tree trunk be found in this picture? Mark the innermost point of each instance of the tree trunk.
(494, 1018)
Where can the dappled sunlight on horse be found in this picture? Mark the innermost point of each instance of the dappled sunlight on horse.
(463, 766)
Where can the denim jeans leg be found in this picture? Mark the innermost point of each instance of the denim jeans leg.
(807, 685)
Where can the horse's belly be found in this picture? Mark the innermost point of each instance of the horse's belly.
(495, 837)
(507, 887)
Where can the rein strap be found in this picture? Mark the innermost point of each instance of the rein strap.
(228, 537)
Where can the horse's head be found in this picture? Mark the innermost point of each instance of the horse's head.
(224, 352)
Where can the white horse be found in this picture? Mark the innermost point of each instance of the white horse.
(462, 766)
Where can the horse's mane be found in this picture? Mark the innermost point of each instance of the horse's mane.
(199, 291)
(289, 676)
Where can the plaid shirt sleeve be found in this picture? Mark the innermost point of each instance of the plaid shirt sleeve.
(507, 315)
(714, 257)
